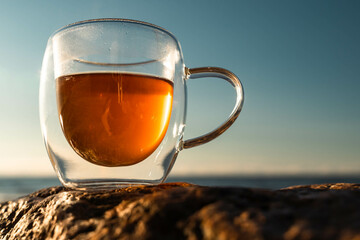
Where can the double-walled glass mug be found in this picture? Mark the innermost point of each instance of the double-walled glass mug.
(113, 103)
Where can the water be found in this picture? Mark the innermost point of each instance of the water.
(12, 188)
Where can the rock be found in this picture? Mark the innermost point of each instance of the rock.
(185, 211)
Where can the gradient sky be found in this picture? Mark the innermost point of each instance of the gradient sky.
(299, 62)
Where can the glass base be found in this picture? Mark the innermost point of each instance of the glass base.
(98, 185)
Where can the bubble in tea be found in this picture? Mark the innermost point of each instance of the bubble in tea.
(114, 119)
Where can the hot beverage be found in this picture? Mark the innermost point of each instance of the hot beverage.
(114, 119)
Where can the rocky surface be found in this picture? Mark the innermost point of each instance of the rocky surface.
(184, 211)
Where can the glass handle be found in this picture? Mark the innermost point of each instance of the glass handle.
(202, 72)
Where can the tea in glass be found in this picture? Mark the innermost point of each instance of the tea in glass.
(114, 118)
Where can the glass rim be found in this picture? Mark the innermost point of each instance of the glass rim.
(124, 20)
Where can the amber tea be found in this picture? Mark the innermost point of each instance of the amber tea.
(114, 119)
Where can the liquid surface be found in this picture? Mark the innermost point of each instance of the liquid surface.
(114, 119)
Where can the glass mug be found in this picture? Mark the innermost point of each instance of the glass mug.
(113, 103)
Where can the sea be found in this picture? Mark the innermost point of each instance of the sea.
(12, 188)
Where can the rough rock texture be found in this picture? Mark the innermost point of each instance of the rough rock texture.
(184, 211)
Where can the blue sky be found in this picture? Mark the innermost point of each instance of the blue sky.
(299, 62)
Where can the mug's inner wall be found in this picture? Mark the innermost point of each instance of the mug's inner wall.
(107, 46)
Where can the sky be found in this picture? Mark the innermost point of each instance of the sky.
(299, 62)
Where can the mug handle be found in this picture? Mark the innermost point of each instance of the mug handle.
(217, 72)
